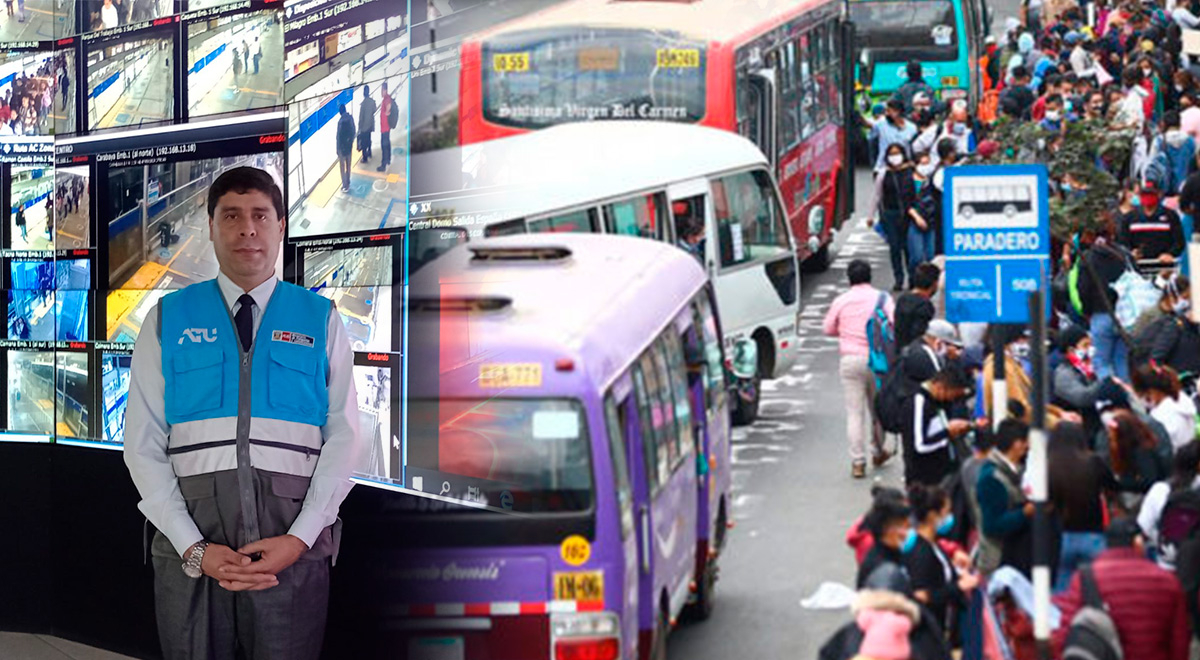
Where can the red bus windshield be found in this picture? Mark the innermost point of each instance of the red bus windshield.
(539, 78)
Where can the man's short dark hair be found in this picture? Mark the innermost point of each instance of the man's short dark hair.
(1171, 119)
(895, 104)
(1054, 99)
(925, 276)
(1020, 72)
(1053, 80)
(914, 70)
(946, 148)
(242, 180)
(859, 272)
(1009, 432)
(1121, 533)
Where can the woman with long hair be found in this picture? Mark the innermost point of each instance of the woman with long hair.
(1134, 458)
(1079, 483)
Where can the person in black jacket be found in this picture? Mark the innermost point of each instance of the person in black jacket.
(345, 144)
(1103, 264)
(889, 524)
(897, 194)
(1017, 99)
(929, 434)
(914, 308)
(925, 638)
(1152, 231)
(1177, 342)
(936, 581)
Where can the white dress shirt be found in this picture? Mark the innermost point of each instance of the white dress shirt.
(147, 431)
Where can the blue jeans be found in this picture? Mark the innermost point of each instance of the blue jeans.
(920, 247)
(893, 231)
(1112, 356)
(1189, 225)
(1078, 548)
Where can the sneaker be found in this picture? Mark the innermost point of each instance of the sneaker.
(882, 457)
(858, 470)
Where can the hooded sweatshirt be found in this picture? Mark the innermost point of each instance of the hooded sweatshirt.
(1178, 416)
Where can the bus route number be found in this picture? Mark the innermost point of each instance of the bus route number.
(678, 58)
(510, 62)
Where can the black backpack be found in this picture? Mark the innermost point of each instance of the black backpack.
(1093, 634)
(890, 399)
(393, 113)
(1179, 536)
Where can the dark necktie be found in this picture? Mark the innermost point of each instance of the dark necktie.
(244, 320)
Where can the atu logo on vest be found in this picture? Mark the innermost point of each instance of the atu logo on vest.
(198, 335)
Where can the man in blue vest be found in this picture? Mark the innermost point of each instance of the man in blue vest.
(241, 435)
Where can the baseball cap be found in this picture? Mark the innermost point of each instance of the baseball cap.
(1073, 37)
(943, 330)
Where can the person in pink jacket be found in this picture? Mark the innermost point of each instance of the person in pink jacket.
(847, 320)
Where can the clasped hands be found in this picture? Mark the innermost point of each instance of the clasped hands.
(235, 570)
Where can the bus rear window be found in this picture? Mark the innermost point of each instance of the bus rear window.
(540, 78)
(538, 449)
(897, 31)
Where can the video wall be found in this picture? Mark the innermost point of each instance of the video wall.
(115, 118)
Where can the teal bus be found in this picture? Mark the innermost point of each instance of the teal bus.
(945, 36)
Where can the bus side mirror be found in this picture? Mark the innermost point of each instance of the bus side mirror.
(745, 358)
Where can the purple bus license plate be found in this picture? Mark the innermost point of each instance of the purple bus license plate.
(436, 648)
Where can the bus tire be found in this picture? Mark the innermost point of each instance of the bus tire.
(658, 648)
(819, 261)
(702, 607)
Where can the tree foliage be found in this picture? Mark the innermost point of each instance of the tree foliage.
(1081, 160)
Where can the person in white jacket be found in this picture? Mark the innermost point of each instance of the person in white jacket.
(1158, 386)
(1185, 474)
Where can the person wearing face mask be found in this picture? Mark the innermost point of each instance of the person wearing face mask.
(897, 195)
(919, 238)
(1017, 99)
(937, 582)
(1079, 482)
(1153, 231)
(889, 521)
(1093, 106)
(1159, 388)
(1075, 385)
(1175, 153)
(1053, 121)
(958, 129)
(1017, 378)
(1177, 345)
(929, 434)
(1006, 514)
(894, 129)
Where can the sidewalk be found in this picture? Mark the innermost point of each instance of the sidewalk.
(20, 646)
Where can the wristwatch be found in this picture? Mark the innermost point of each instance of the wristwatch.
(191, 564)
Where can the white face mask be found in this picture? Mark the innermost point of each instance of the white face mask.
(925, 169)
(1053, 115)
(895, 160)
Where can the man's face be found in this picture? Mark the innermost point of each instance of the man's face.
(894, 114)
(246, 233)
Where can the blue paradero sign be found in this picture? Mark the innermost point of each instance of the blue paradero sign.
(996, 224)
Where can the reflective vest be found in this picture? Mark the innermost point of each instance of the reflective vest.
(268, 404)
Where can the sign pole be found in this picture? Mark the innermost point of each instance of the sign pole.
(1038, 477)
(999, 384)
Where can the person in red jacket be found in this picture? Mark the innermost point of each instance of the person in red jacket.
(1145, 601)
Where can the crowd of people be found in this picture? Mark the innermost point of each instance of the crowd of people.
(946, 563)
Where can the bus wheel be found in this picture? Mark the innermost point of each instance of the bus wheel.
(819, 261)
(702, 607)
(658, 649)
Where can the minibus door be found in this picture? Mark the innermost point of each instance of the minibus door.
(689, 203)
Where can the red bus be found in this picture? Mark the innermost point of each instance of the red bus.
(775, 71)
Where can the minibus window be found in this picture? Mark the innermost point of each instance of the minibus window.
(683, 400)
(641, 216)
(668, 458)
(576, 221)
(646, 413)
(749, 222)
(616, 448)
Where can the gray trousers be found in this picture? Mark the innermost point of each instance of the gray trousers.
(199, 620)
